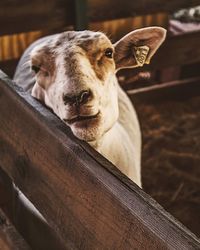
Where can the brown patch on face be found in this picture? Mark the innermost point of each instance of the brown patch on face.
(95, 52)
(44, 59)
(85, 36)
(94, 45)
(66, 36)
(86, 44)
(71, 35)
(58, 43)
(46, 50)
(94, 49)
(89, 44)
(71, 66)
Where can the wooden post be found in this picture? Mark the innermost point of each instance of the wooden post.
(81, 10)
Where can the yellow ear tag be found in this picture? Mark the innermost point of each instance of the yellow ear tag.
(140, 54)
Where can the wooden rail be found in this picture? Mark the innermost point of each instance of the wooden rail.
(54, 15)
(113, 9)
(10, 239)
(166, 91)
(21, 16)
(178, 50)
(82, 196)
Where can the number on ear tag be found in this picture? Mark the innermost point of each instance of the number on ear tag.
(140, 54)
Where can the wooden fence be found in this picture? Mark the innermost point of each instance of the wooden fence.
(87, 202)
(85, 199)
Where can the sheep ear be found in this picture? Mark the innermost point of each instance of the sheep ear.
(137, 47)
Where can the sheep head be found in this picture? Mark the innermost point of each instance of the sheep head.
(75, 75)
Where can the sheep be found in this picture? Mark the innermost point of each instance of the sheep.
(74, 74)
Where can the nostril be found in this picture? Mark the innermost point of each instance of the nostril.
(84, 96)
(67, 99)
(77, 99)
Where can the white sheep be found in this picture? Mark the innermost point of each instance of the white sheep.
(75, 76)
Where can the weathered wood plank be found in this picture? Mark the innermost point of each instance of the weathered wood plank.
(178, 50)
(36, 232)
(10, 239)
(81, 7)
(175, 90)
(74, 187)
(106, 10)
(9, 66)
(21, 16)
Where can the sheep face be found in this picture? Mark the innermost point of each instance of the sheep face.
(75, 77)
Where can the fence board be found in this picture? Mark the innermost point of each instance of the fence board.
(20, 16)
(169, 91)
(105, 10)
(10, 239)
(74, 187)
(178, 50)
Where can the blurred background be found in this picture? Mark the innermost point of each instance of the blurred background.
(23, 22)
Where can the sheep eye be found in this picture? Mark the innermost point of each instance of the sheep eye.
(109, 53)
(36, 69)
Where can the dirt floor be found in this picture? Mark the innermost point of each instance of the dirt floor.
(171, 158)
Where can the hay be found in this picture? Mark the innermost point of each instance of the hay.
(171, 157)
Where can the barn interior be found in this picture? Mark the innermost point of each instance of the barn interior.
(166, 93)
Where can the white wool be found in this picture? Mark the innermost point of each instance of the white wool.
(81, 64)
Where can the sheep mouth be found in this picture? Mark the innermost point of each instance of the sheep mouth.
(80, 118)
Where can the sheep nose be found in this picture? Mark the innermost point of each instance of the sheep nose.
(79, 99)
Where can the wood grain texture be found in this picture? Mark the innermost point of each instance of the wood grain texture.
(21, 16)
(178, 50)
(113, 9)
(10, 239)
(170, 91)
(83, 196)
(9, 66)
(81, 14)
(37, 233)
